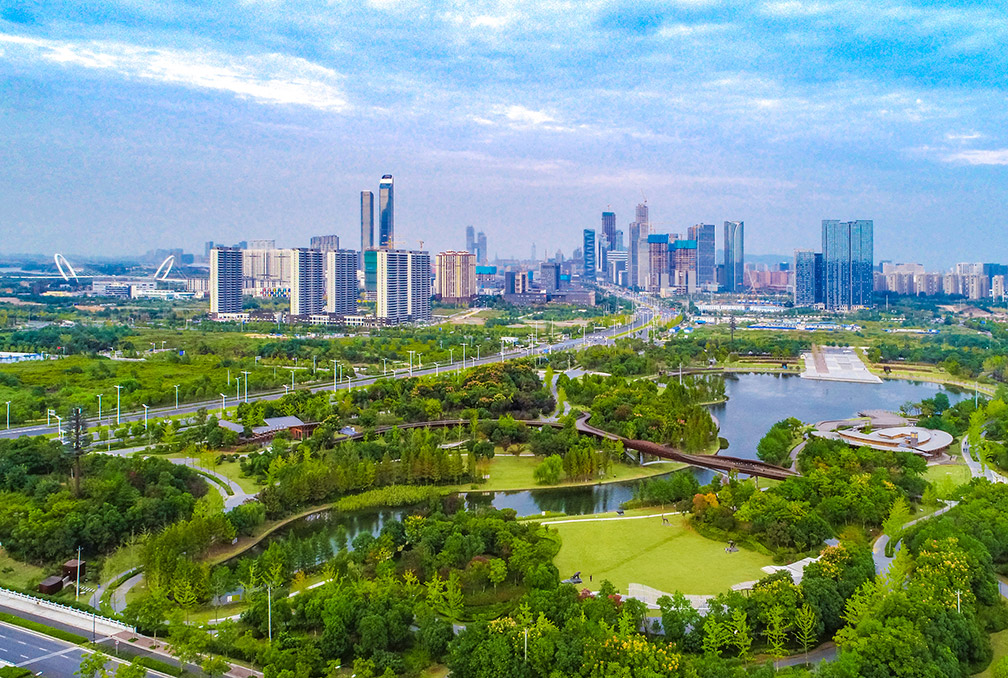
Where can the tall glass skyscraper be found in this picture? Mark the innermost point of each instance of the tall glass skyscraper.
(734, 256)
(386, 215)
(609, 227)
(366, 222)
(804, 278)
(848, 250)
(703, 235)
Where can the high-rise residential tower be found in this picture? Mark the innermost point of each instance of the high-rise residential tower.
(225, 280)
(325, 243)
(366, 223)
(703, 235)
(848, 260)
(804, 278)
(589, 255)
(307, 282)
(341, 281)
(734, 256)
(456, 276)
(404, 286)
(386, 213)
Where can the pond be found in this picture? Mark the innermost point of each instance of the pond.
(755, 402)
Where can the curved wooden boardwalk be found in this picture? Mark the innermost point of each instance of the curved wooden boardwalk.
(715, 462)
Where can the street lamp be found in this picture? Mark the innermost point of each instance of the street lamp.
(59, 425)
(451, 357)
(411, 362)
(334, 375)
(8, 414)
(223, 400)
(176, 396)
(385, 367)
(118, 402)
(437, 370)
(99, 409)
(145, 417)
(286, 389)
(246, 373)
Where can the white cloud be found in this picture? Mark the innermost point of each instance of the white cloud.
(268, 78)
(994, 156)
(964, 136)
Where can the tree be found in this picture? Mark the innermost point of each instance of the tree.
(899, 515)
(716, 636)
(79, 439)
(549, 470)
(776, 630)
(498, 571)
(805, 626)
(220, 582)
(741, 632)
(130, 670)
(453, 597)
(93, 666)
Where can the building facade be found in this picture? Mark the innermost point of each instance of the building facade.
(849, 260)
(225, 280)
(658, 262)
(403, 286)
(386, 212)
(456, 276)
(325, 243)
(589, 254)
(366, 223)
(683, 258)
(805, 278)
(341, 281)
(734, 256)
(307, 282)
(703, 235)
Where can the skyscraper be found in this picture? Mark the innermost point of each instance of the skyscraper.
(589, 255)
(456, 276)
(366, 223)
(341, 281)
(325, 243)
(470, 240)
(481, 248)
(225, 280)
(386, 213)
(848, 259)
(307, 281)
(658, 262)
(804, 278)
(549, 274)
(683, 258)
(609, 228)
(404, 286)
(703, 235)
(734, 256)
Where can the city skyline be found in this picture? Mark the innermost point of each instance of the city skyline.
(130, 127)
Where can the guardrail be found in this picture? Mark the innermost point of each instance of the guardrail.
(91, 618)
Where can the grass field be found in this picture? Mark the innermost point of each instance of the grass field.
(508, 472)
(17, 574)
(642, 550)
(958, 474)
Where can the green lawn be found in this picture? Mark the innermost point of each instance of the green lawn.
(19, 575)
(958, 474)
(508, 472)
(667, 557)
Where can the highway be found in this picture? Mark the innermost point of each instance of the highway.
(44, 655)
(642, 317)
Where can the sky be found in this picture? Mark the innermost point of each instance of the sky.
(127, 125)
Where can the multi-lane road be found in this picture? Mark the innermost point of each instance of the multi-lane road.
(642, 317)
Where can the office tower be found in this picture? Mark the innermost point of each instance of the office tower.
(609, 228)
(307, 282)
(703, 235)
(550, 274)
(261, 245)
(510, 282)
(370, 274)
(325, 243)
(734, 256)
(804, 278)
(386, 213)
(589, 255)
(617, 244)
(456, 276)
(848, 261)
(642, 213)
(602, 254)
(225, 280)
(366, 223)
(470, 240)
(658, 262)
(481, 248)
(683, 266)
(341, 281)
(207, 246)
(404, 286)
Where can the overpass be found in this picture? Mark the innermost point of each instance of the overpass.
(714, 462)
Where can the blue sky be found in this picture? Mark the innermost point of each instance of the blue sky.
(128, 125)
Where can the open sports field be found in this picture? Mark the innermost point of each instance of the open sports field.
(642, 550)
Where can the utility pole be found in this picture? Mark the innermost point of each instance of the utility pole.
(411, 352)
(176, 396)
(8, 414)
(118, 401)
(78, 573)
(145, 416)
(223, 400)
(99, 409)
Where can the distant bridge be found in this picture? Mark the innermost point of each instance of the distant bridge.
(714, 462)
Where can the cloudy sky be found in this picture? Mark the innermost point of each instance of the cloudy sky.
(132, 124)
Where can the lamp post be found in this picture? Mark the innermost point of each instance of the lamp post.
(59, 425)
(8, 415)
(334, 375)
(237, 389)
(176, 396)
(437, 370)
(451, 357)
(286, 389)
(99, 409)
(502, 350)
(246, 373)
(463, 355)
(411, 362)
(145, 417)
(118, 402)
(77, 597)
(223, 401)
(419, 357)
(384, 362)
